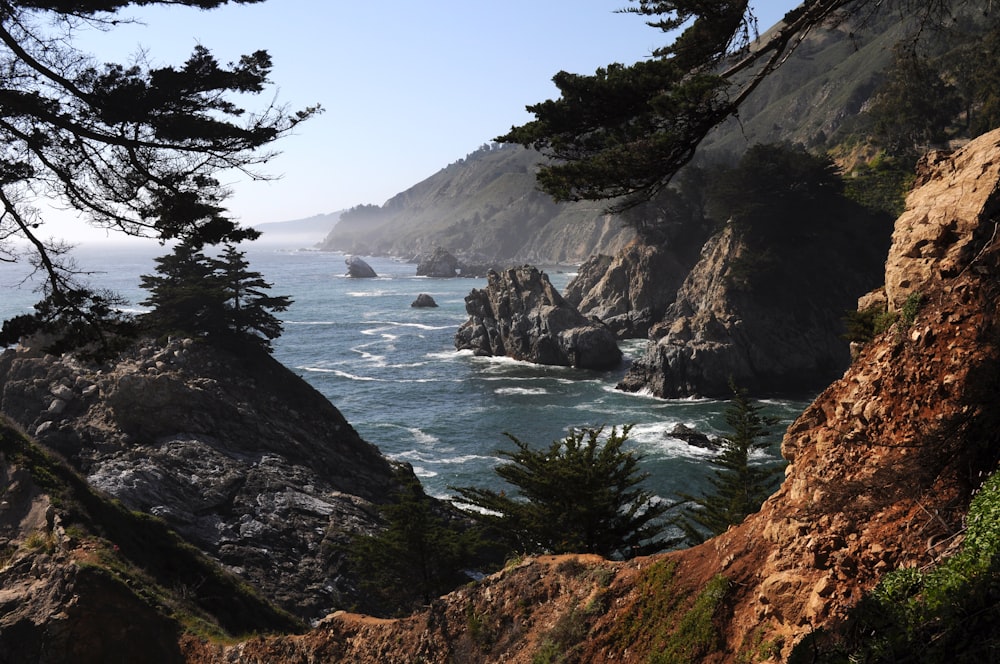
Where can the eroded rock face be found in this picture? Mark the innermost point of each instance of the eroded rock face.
(631, 291)
(239, 455)
(764, 309)
(521, 315)
(948, 218)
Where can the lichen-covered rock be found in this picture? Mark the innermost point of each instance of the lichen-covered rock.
(521, 315)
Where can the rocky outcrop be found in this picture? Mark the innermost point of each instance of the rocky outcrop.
(520, 315)
(764, 307)
(882, 468)
(439, 264)
(357, 268)
(631, 291)
(423, 300)
(934, 243)
(85, 580)
(238, 454)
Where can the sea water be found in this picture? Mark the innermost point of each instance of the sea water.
(394, 373)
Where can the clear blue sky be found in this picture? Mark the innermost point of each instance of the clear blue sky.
(408, 87)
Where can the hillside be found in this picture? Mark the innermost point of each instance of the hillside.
(485, 205)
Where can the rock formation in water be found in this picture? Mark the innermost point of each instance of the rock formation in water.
(423, 300)
(521, 315)
(357, 268)
(243, 458)
(764, 307)
(629, 292)
(438, 264)
(882, 468)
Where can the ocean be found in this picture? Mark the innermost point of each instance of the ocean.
(394, 373)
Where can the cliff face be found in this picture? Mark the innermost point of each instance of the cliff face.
(238, 454)
(629, 292)
(882, 467)
(763, 306)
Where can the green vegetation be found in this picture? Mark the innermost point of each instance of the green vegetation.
(419, 554)
(215, 298)
(739, 486)
(139, 552)
(946, 614)
(863, 326)
(133, 148)
(579, 495)
(678, 626)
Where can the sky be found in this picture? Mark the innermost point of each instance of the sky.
(407, 87)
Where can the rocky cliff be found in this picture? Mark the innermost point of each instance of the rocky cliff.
(630, 291)
(521, 315)
(235, 452)
(882, 468)
(764, 306)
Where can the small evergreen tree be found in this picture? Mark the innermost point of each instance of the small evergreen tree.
(215, 298)
(578, 495)
(248, 306)
(418, 556)
(739, 487)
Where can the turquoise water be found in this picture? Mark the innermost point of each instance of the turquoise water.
(394, 373)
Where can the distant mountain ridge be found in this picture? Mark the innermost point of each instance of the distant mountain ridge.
(485, 205)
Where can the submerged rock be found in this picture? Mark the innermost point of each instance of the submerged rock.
(357, 268)
(521, 315)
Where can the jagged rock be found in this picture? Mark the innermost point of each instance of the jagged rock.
(358, 268)
(520, 315)
(242, 457)
(694, 437)
(932, 243)
(424, 300)
(438, 264)
(764, 311)
(631, 291)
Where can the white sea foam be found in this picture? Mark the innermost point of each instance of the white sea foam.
(521, 390)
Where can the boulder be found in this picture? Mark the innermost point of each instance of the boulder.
(358, 268)
(439, 264)
(424, 300)
(521, 315)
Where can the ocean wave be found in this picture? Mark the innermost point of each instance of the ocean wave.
(521, 390)
(342, 374)
(655, 438)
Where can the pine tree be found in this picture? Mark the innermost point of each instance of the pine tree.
(248, 306)
(739, 487)
(215, 298)
(417, 556)
(578, 495)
